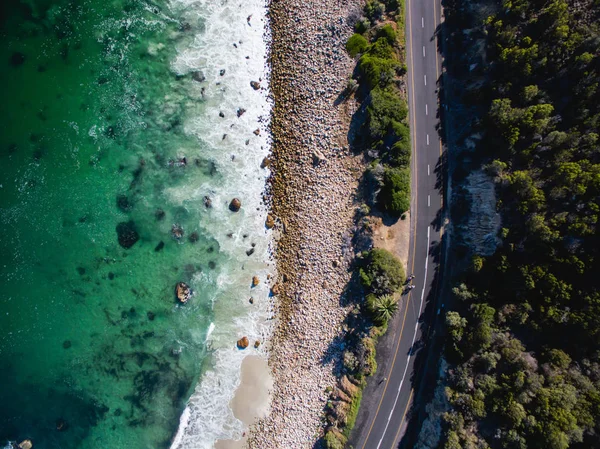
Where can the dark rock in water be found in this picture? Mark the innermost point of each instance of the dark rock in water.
(243, 343)
(255, 85)
(183, 292)
(17, 59)
(127, 234)
(222, 72)
(250, 252)
(67, 344)
(210, 249)
(212, 265)
(81, 271)
(256, 132)
(151, 316)
(198, 76)
(61, 425)
(111, 275)
(123, 203)
(235, 205)
(221, 114)
(251, 300)
(256, 344)
(118, 412)
(177, 231)
(160, 246)
(265, 163)
(240, 112)
(159, 214)
(207, 202)
(194, 237)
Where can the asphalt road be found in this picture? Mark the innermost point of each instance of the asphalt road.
(385, 420)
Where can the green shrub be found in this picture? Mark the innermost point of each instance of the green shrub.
(394, 196)
(382, 308)
(333, 440)
(388, 33)
(362, 25)
(385, 112)
(356, 44)
(374, 10)
(353, 413)
(382, 273)
(399, 154)
(379, 64)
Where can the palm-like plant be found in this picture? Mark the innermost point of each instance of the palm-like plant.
(383, 308)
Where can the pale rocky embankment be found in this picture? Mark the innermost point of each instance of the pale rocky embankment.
(312, 192)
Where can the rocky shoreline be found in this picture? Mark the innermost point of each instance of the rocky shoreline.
(312, 191)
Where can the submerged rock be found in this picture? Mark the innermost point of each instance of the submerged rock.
(222, 72)
(255, 85)
(243, 343)
(265, 162)
(240, 112)
(177, 231)
(255, 281)
(207, 202)
(17, 59)
(25, 444)
(127, 234)
(67, 344)
(124, 203)
(61, 425)
(160, 246)
(194, 237)
(235, 205)
(249, 252)
(183, 292)
(160, 214)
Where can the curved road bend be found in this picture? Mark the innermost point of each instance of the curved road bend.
(386, 423)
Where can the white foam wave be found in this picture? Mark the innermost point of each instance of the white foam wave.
(218, 26)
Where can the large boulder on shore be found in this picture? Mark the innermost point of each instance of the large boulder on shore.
(127, 234)
(25, 444)
(243, 343)
(183, 292)
(235, 205)
(269, 222)
(255, 85)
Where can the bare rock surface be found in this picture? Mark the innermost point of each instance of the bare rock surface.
(314, 205)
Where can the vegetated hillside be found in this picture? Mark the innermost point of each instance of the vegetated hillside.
(525, 339)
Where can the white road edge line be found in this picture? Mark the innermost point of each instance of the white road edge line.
(411, 345)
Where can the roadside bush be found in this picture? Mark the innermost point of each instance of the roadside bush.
(334, 441)
(356, 44)
(385, 112)
(362, 25)
(388, 33)
(374, 10)
(381, 308)
(394, 196)
(379, 65)
(399, 154)
(382, 273)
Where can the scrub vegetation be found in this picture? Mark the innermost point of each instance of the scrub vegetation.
(378, 46)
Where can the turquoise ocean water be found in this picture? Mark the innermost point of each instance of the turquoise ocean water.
(102, 102)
